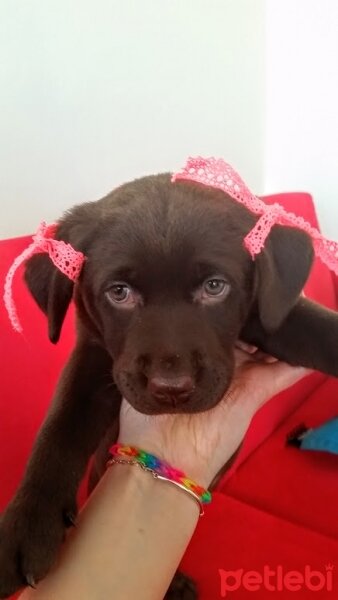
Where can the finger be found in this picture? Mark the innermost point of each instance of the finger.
(261, 356)
(249, 348)
(243, 357)
(286, 375)
(254, 351)
(277, 377)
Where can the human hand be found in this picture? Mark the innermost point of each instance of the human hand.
(201, 443)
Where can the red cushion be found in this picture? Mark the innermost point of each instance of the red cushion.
(234, 535)
(307, 481)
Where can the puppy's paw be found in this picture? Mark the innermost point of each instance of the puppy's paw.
(182, 588)
(30, 536)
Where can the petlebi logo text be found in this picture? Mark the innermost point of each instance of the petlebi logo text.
(276, 579)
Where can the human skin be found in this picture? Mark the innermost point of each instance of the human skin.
(116, 551)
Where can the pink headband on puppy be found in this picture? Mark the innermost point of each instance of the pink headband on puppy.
(63, 255)
(211, 172)
(217, 173)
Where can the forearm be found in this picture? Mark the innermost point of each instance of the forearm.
(130, 520)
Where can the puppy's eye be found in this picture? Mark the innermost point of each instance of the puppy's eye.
(213, 290)
(121, 293)
(214, 287)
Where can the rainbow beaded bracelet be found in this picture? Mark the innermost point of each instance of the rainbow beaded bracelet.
(129, 455)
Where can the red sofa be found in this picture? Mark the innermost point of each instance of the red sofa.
(272, 521)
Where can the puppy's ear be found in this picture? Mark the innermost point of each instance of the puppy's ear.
(51, 290)
(282, 269)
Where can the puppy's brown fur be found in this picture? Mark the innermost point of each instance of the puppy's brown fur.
(165, 240)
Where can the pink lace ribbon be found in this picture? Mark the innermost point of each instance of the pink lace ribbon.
(64, 257)
(217, 173)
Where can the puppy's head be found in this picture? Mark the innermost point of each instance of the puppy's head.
(167, 287)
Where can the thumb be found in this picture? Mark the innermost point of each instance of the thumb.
(269, 379)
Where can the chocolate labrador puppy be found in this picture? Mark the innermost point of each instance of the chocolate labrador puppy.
(166, 291)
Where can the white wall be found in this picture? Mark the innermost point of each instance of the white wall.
(301, 150)
(93, 93)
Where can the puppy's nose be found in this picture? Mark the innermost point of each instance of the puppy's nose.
(172, 390)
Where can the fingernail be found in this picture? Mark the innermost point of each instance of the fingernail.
(30, 581)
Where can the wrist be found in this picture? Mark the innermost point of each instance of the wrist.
(194, 465)
(146, 490)
(161, 469)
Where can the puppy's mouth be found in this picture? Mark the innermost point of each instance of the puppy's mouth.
(183, 395)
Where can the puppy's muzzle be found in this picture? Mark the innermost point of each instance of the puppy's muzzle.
(171, 390)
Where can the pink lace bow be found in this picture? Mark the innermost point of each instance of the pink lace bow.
(219, 174)
(63, 255)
